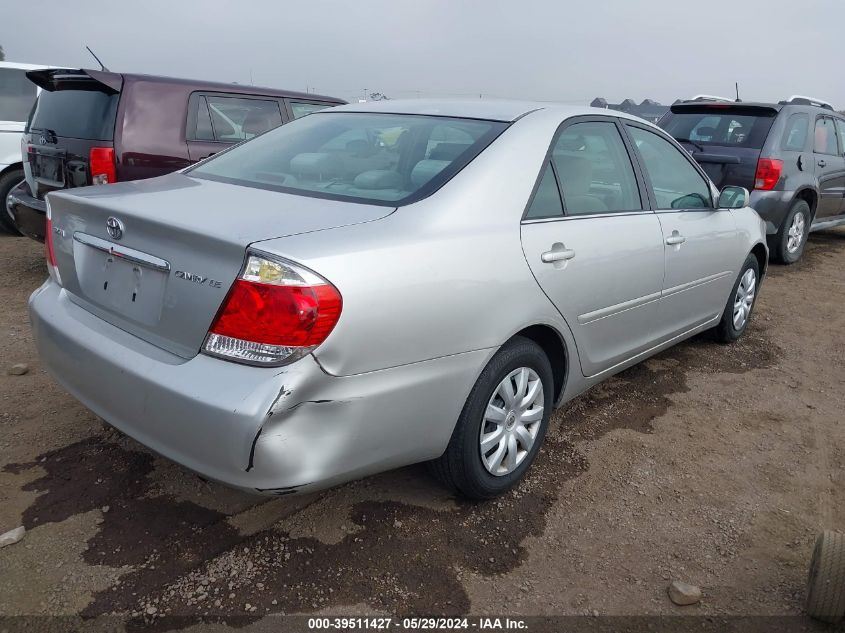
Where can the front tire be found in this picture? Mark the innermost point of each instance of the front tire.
(8, 181)
(737, 313)
(788, 245)
(502, 424)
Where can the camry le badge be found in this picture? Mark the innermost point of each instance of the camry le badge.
(114, 227)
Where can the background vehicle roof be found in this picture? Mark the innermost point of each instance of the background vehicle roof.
(489, 109)
(114, 80)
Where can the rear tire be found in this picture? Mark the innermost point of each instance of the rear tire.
(826, 582)
(8, 181)
(466, 466)
(788, 246)
(743, 297)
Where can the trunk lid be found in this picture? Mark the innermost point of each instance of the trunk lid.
(75, 112)
(180, 245)
(725, 138)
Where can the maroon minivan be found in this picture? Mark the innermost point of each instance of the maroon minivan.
(91, 127)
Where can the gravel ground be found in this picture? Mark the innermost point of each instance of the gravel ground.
(713, 465)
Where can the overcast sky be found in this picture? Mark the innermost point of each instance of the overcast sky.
(537, 49)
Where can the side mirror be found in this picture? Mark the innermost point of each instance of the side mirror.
(734, 198)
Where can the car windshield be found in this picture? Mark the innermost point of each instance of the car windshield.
(719, 127)
(388, 159)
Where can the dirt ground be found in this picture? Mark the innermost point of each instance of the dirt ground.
(715, 465)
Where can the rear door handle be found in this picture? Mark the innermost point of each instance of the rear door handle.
(822, 163)
(675, 239)
(550, 257)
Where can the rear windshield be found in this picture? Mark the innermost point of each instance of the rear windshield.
(17, 94)
(388, 159)
(75, 113)
(719, 126)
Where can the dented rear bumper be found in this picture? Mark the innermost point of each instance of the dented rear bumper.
(267, 430)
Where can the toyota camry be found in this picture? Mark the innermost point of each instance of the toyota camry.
(387, 283)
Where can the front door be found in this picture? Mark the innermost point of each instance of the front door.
(596, 251)
(699, 240)
(830, 167)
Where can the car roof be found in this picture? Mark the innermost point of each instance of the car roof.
(487, 109)
(227, 87)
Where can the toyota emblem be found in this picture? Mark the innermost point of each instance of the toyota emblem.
(114, 227)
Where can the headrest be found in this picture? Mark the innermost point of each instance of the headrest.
(427, 169)
(316, 165)
(378, 179)
(575, 174)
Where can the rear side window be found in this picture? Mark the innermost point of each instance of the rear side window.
(301, 108)
(840, 127)
(676, 183)
(85, 114)
(17, 94)
(594, 170)
(388, 159)
(234, 119)
(796, 132)
(717, 125)
(546, 202)
(825, 137)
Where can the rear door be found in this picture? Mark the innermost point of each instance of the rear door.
(700, 241)
(725, 138)
(830, 167)
(219, 120)
(74, 114)
(593, 246)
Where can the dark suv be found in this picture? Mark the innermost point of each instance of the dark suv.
(91, 127)
(790, 155)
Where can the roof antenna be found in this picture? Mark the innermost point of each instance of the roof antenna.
(738, 100)
(102, 66)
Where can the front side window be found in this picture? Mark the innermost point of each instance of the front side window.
(795, 135)
(594, 170)
(362, 157)
(300, 108)
(236, 119)
(17, 94)
(825, 137)
(675, 182)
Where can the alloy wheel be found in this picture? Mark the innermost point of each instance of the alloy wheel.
(796, 233)
(511, 421)
(744, 298)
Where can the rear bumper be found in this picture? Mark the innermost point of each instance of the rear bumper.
(772, 206)
(27, 212)
(266, 430)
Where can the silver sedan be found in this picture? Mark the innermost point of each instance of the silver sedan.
(382, 284)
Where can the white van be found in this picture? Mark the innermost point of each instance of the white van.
(17, 94)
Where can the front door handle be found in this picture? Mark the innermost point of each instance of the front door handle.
(562, 255)
(822, 163)
(675, 239)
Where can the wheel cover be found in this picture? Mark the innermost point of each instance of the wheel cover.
(744, 299)
(795, 235)
(511, 421)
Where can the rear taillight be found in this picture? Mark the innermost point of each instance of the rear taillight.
(52, 268)
(768, 173)
(101, 165)
(275, 313)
